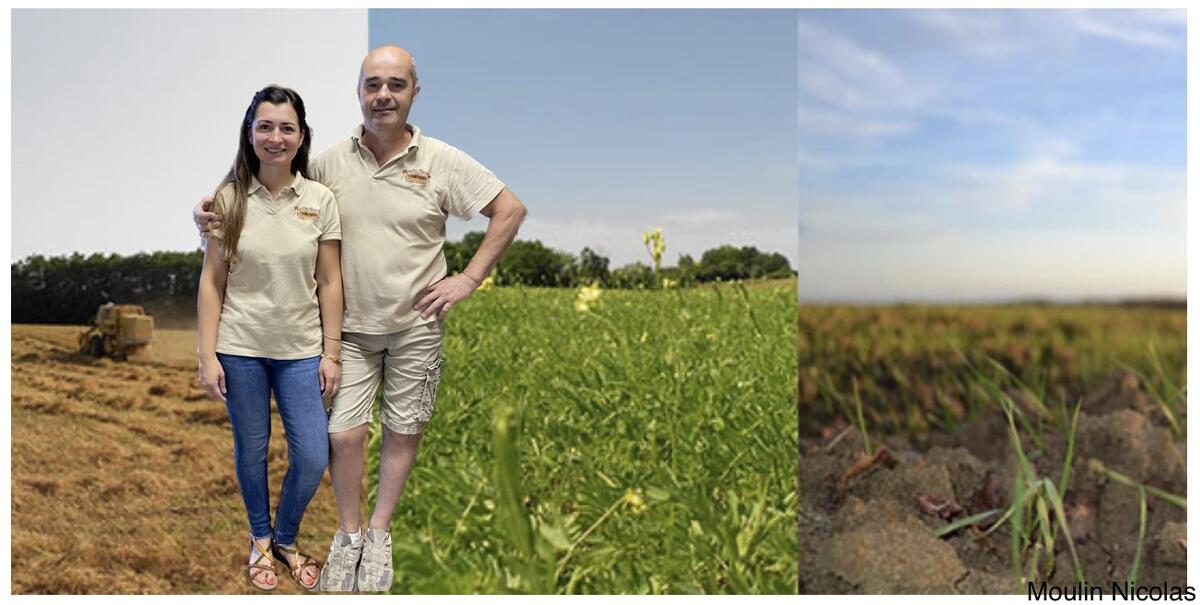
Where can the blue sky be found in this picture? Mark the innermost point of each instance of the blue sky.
(985, 155)
(608, 123)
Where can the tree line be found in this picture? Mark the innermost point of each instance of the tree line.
(530, 263)
(68, 289)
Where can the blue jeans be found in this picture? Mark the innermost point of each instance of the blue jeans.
(249, 382)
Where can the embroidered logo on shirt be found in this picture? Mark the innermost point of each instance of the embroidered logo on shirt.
(417, 177)
(307, 214)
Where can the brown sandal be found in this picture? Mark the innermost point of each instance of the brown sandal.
(258, 565)
(303, 562)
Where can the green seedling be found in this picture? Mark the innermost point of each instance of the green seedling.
(958, 524)
(1137, 556)
(858, 415)
(1099, 467)
(852, 409)
(1143, 489)
(1037, 515)
(1165, 394)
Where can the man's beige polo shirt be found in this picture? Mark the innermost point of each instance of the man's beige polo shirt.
(394, 222)
(271, 307)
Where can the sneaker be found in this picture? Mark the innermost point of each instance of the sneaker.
(375, 570)
(341, 567)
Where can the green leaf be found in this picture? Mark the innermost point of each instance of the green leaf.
(657, 494)
(554, 536)
(964, 522)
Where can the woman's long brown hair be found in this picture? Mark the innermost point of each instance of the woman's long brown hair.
(246, 164)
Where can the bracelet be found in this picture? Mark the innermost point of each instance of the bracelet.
(335, 360)
(332, 338)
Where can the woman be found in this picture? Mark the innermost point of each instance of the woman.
(270, 320)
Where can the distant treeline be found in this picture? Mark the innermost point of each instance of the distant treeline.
(530, 263)
(67, 289)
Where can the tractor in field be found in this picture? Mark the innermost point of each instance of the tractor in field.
(117, 331)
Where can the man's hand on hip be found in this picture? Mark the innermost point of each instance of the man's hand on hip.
(205, 221)
(438, 298)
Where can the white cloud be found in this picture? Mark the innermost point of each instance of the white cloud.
(851, 219)
(1045, 225)
(981, 32)
(1052, 221)
(1000, 32)
(840, 73)
(1024, 194)
(1052, 181)
(1165, 16)
(1137, 28)
(981, 267)
(849, 91)
(815, 122)
(859, 92)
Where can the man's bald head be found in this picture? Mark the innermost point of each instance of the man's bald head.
(387, 86)
(389, 54)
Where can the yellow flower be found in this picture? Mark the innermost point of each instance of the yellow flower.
(587, 297)
(633, 499)
(655, 244)
(487, 283)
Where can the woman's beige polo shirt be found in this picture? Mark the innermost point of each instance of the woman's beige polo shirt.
(394, 222)
(270, 307)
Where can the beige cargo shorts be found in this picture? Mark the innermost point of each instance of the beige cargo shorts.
(409, 365)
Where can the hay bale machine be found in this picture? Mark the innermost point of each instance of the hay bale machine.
(117, 331)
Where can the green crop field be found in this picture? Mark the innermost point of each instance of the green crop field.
(645, 444)
(919, 368)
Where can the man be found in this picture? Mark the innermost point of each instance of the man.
(395, 188)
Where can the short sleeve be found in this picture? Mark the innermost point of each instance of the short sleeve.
(316, 169)
(331, 223)
(220, 203)
(471, 186)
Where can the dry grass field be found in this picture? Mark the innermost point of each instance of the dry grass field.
(123, 477)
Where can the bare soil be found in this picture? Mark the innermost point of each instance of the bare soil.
(874, 532)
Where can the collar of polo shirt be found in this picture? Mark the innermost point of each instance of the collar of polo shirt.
(357, 136)
(296, 185)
